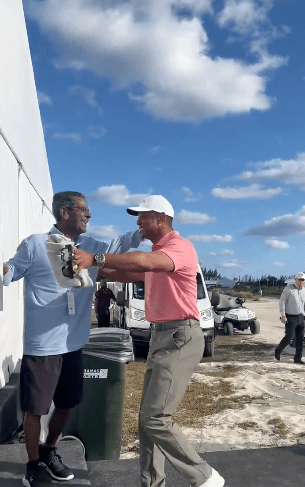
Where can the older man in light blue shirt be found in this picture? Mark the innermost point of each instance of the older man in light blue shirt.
(55, 332)
(292, 309)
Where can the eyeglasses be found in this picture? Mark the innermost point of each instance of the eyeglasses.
(82, 209)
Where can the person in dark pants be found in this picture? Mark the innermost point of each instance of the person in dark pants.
(101, 305)
(292, 308)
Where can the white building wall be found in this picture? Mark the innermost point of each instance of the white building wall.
(25, 183)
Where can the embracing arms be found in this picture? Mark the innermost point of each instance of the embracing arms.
(127, 267)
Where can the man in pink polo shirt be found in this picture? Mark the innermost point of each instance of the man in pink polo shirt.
(177, 341)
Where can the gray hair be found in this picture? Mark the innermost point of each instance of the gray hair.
(66, 199)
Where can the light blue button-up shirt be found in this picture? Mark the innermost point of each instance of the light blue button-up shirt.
(49, 329)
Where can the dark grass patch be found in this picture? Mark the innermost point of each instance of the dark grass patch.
(224, 372)
(133, 392)
(234, 348)
(278, 427)
(247, 425)
(200, 399)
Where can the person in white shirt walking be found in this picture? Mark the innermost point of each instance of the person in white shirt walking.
(292, 309)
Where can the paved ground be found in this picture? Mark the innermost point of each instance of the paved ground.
(13, 459)
(275, 467)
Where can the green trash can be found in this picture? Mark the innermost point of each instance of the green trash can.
(97, 421)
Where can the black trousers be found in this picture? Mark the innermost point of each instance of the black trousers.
(103, 318)
(294, 325)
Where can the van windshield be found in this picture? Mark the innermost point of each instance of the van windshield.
(200, 288)
(138, 290)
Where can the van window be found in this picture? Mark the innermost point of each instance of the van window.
(200, 288)
(138, 290)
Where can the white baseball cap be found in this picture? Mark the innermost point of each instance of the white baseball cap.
(299, 275)
(155, 202)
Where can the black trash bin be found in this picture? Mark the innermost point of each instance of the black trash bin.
(97, 421)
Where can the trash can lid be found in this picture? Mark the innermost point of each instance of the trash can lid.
(114, 343)
(109, 335)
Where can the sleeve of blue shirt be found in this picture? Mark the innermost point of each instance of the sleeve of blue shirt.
(130, 240)
(19, 264)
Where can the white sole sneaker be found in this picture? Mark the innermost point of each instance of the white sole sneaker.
(215, 480)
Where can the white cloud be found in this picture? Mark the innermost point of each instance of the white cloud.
(96, 131)
(248, 20)
(87, 95)
(107, 232)
(192, 217)
(291, 171)
(118, 195)
(189, 195)
(278, 264)
(43, 98)
(210, 238)
(231, 264)
(227, 252)
(243, 14)
(149, 44)
(281, 226)
(277, 244)
(72, 136)
(246, 192)
(154, 150)
(223, 252)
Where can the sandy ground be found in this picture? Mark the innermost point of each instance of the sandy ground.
(270, 395)
(275, 412)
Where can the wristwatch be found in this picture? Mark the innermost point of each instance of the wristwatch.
(100, 260)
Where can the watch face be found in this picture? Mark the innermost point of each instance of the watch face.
(99, 258)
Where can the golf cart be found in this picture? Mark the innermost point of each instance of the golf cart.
(230, 313)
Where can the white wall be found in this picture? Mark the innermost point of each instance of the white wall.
(25, 181)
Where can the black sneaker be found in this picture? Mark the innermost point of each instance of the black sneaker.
(35, 474)
(52, 460)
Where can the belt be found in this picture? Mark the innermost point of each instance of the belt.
(170, 325)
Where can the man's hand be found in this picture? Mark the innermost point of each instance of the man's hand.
(83, 259)
(283, 319)
(5, 269)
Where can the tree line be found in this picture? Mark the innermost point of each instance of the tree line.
(247, 279)
(262, 281)
(210, 274)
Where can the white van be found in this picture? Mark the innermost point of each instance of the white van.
(128, 312)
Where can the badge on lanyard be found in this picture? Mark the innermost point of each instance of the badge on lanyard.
(71, 302)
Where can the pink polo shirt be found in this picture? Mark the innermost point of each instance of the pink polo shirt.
(172, 296)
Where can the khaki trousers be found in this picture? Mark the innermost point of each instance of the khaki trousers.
(174, 353)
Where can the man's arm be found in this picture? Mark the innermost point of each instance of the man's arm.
(282, 304)
(121, 244)
(120, 276)
(113, 297)
(138, 262)
(17, 267)
(95, 304)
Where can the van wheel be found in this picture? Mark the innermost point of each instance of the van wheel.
(228, 328)
(209, 348)
(122, 320)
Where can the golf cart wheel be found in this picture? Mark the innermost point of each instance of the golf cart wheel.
(209, 348)
(255, 327)
(228, 328)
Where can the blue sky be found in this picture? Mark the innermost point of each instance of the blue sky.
(201, 101)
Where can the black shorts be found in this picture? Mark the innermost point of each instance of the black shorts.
(52, 377)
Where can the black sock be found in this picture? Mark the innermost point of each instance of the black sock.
(33, 464)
